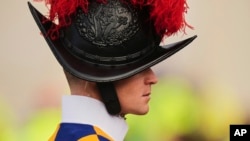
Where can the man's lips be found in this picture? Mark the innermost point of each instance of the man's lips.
(147, 94)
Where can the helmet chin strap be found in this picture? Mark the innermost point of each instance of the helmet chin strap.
(108, 93)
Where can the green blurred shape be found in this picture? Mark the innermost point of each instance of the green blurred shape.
(41, 125)
(7, 123)
(174, 110)
(221, 107)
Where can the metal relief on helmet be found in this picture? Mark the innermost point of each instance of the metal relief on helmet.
(107, 24)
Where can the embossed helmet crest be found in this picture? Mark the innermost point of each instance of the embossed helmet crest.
(107, 24)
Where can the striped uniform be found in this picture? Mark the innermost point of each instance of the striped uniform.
(79, 132)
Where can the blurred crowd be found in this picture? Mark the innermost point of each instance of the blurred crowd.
(181, 110)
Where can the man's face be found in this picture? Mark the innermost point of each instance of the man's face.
(134, 92)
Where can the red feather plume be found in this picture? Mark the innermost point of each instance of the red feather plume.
(168, 15)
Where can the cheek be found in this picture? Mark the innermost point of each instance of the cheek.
(131, 98)
(126, 94)
(130, 91)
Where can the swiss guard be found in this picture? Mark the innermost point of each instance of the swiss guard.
(106, 49)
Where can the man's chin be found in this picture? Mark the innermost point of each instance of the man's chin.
(143, 112)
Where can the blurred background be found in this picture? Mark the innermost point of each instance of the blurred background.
(201, 90)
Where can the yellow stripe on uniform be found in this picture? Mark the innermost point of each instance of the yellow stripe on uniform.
(100, 132)
(89, 138)
(53, 137)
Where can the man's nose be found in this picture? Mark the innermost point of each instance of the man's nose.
(151, 79)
